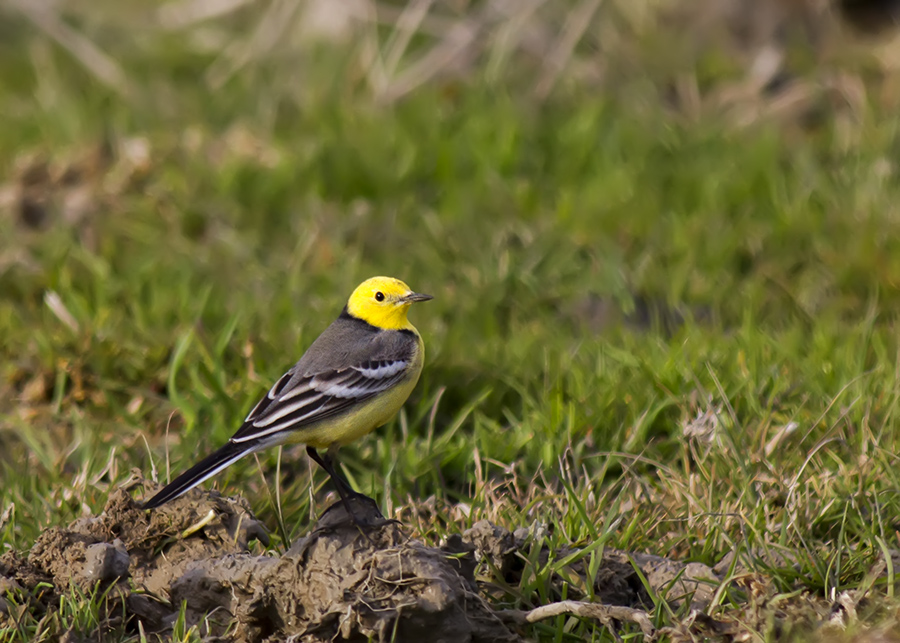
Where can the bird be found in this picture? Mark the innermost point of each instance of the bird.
(351, 380)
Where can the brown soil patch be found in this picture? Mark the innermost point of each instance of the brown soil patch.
(336, 583)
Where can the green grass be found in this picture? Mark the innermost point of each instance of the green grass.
(602, 275)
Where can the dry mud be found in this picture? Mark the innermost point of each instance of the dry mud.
(334, 584)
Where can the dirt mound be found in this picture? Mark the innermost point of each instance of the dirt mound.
(338, 583)
(334, 584)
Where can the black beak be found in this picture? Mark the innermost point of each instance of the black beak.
(416, 296)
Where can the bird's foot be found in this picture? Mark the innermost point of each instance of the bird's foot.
(358, 509)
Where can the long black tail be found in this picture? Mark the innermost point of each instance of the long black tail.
(206, 468)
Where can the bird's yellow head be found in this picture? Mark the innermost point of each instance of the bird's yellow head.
(384, 302)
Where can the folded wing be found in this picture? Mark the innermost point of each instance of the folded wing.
(298, 400)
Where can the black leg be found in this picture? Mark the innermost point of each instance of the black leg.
(327, 464)
(345, 491)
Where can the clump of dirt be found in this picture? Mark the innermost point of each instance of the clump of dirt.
(136, 553)
(337, 583)
(340, 583)
(148, 546)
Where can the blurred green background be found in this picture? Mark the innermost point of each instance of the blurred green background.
(662, 239)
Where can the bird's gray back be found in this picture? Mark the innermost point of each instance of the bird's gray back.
(350, 342)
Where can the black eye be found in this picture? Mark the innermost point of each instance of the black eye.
(379, 296)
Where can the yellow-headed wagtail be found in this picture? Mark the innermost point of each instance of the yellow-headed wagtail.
(351, 380)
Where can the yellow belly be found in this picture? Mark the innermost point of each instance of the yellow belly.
(366, 418)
